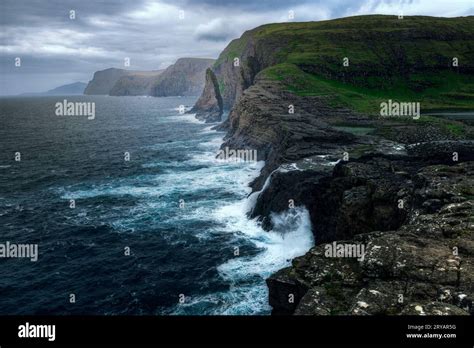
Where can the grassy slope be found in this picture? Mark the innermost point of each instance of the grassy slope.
(404, 60)
(451, 90)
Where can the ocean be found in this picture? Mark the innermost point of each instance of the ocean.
(162, 233)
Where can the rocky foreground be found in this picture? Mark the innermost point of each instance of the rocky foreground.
(415, 219)
(395, 193)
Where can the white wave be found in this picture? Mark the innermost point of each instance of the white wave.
(208, 130)
(107, 190)
(190, 118)
(291, 237)
(252, 200)
(186, 108)
(246, 274)
(294, 238)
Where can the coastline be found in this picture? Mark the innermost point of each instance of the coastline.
(391, 176)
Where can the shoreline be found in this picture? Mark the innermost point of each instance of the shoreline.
(385, 164)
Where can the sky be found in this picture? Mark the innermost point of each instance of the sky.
(56, 49)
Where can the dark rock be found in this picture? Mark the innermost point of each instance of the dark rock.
(424, 266)
(135, 83)
(186, 77)
(104, 80)
(209, 106)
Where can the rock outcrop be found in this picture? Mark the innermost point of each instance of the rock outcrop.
(383, 193)
(186, 77)
(209, 106)
(415, 221)
(135, 83)
(232, 73)
(104, 80)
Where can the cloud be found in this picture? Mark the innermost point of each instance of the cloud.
(151, 32)
(441, 8)
(47, 42)
(215, 30)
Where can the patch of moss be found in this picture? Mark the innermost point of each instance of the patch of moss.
(221, 85)
(233, 50)
(456, 129)
(335, 291)
(467, 191)
(361, 150)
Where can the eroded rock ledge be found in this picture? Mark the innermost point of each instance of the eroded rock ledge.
(419, 259)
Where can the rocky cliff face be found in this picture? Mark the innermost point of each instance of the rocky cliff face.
(234, 71)
(397, 190)
(186, 77)
(135, 83)
(419, 256)
(104, 80)
(210, 105)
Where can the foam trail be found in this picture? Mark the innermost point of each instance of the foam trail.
(252, 200)
(291, 237)
(185, 118)
(248, 293)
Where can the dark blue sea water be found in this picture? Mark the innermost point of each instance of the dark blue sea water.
(175, 251)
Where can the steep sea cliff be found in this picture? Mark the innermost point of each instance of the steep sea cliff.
(186, 77)
(401, 187)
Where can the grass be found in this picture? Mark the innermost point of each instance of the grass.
(456, 128)
(408, 60)
(356, 130)
(233, 50)
(367, 100)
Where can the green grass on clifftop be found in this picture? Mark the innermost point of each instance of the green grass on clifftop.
(407, 60)
(448, 90)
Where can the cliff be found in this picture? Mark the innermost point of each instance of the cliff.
(399, 186)
(186, 77)
(209, 106)
(135, 83)
(354, 59)
(104, 80)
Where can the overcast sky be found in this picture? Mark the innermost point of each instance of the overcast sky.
(56, 50)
